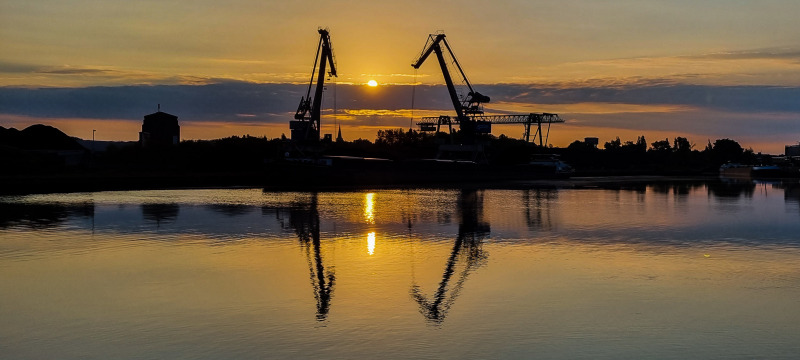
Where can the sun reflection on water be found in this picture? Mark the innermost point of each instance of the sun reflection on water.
(369, 208)
(371, 243)
(369, 217)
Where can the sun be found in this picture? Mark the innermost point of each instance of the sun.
(372, 83)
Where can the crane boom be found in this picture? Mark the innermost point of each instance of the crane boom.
(433, 46)
(327, 57)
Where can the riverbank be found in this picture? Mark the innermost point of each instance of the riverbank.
(271, 180)
(76, 182)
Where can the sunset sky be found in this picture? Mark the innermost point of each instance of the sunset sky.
(704, 70)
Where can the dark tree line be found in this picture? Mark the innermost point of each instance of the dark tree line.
(668, 156)
(678, 156)
(251, 154)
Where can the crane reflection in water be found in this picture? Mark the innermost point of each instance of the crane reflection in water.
(304, 219)
(467, 250)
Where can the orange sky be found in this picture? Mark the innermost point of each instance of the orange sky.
(575, 44)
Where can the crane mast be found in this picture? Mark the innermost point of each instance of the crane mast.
(306, 126)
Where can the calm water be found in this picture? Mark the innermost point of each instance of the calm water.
(701, 270)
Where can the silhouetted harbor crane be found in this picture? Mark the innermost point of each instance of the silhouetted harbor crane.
(470, 116)
(306, 126)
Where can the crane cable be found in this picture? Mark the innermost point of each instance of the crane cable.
(413, 95)
(335, 118)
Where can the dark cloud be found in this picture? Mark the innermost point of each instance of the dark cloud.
(17, 68)
(73, 71)
(220, 101)
(749, 99)
(228, 100)
(772, 53)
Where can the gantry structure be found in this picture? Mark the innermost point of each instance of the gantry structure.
(434, 123)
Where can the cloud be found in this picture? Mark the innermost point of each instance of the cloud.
(213, 102)
(640, 105)
(769, 53)
(228, 99)
(68, 70)
(17, 68)
(76, 76)
(764, 66)
(749, 99)
(595, 108)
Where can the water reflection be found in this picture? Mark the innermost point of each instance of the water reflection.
(472, 229)
(537, 207)
(371, 243)
(617, 279)
(42, 216)
(304, 219)
(369, 208)
(369, 218)
(160, 213)
(791, 195)
(791, 192)
(231, 210)
(730, 189)
(679, 189)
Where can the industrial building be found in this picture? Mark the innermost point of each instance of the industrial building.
(160, 129)
(792, 150)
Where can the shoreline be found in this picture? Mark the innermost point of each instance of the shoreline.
(73, 183)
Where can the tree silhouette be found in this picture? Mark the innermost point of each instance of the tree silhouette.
(726, 150)
(682, 144)
(661, 146)
(613, 144)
